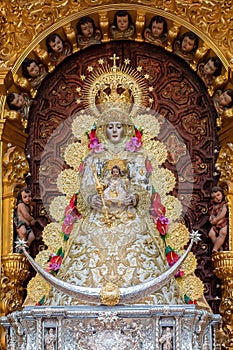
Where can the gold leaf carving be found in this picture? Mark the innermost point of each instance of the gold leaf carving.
(37, 288)
(192, 286)
(57, 207)
(52, 236)
(178, 236)
(74, 153)
(68, 182)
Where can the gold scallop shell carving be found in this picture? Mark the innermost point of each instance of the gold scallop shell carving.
(57, 207)
(150, 124)
(74, 153)
(37, 288)
(68, 182)
(173, 208)
(52, 236)
(190, 263)
(178, 236)
(156, 150)
(42, 258)
(192, 286)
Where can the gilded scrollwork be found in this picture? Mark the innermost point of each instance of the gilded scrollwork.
(15, 270)
(15, 166)
(22, 22)
(223, 268)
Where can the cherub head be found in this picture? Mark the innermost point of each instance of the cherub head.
(86, 27)
(158, 25)
(30, 68)
(226, 98)
(54, 43)
(217, 195)
(15, 101)
(213, 66)
(122, 20)
(24, 196)
(189, 42)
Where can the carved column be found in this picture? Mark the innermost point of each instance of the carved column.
(223, 261)
(15, 268)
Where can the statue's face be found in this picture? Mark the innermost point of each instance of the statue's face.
(115, 132)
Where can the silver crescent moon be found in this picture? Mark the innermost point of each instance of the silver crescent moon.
(127, 294)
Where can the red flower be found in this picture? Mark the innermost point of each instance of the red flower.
(179, 273)
(162, 225)
(67, 228)
(138, 135)
(156, 209)
(172, 258)
(92, 134)
(54, 263)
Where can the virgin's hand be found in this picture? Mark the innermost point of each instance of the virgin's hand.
(96, 202)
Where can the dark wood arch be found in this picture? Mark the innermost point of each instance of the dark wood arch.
(180, 96)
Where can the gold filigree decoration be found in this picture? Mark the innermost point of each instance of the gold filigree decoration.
(149, 123)
(37, 288)
(74, 153)
(225, 163)
(68, 182)
(110, 294)
(52, 236)
(178, 236)
(192, 286)
(156, 150)
(15, 166)
(190, 263)
(144, 200)
(81, 124)
(165, 186)
(173, 208)
(81, 205)
(57, 207)
(43, 257)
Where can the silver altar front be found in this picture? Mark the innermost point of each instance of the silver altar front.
(137, 327)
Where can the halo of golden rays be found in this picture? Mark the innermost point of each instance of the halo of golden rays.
(133, 85)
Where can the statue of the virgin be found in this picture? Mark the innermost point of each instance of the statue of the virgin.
(121, 227)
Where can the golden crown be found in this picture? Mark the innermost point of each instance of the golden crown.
(114, 88)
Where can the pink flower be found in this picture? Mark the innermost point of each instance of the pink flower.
(179, 273)
(133, 145)
(54, 263)
(162, 224)
(95, 146)
(68, 219)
